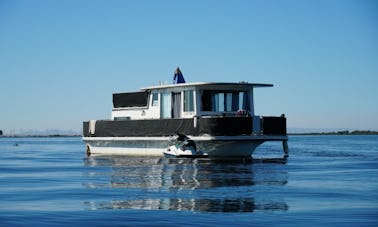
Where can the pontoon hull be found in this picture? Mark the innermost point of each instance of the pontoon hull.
(222, 146)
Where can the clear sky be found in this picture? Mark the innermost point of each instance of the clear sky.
(60, 61)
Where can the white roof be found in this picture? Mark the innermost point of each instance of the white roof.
(207, 84)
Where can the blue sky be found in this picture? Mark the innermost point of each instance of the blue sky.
(60, 61)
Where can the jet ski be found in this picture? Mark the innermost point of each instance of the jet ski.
(181, 146)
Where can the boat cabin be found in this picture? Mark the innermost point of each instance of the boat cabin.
(185, 100)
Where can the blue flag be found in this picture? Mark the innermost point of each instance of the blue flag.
(178, 77)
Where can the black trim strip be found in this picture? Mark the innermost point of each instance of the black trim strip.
(214, 126)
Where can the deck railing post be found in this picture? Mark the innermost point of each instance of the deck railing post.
(256, 125)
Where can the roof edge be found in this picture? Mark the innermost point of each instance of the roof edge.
(204, 83)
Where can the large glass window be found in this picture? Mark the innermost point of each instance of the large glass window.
(188, 101)
(224, 101)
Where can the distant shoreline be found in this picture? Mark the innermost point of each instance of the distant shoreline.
(344, 132)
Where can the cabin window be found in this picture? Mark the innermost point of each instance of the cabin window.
(228, 102)
(165, 105)
(243, 101)
(219, 102)
(206, 101)
(130, 99)
(224, 101)
(155, 99)
(188, 101)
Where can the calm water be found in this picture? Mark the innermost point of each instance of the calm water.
(326, 180)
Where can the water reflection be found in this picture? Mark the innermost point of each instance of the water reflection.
(186, 184)
(199, 205)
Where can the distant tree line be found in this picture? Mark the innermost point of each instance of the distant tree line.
(344, 132)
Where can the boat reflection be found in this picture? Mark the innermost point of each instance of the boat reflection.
(238, 205)
(186, 184)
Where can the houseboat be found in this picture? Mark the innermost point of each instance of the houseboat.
(219, 117)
